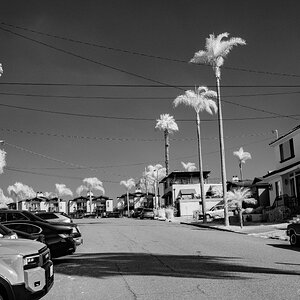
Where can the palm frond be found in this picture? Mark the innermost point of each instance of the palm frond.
(242, 155)
(166, 122)
(128, 184)
(237, 196)
(216, 49)
(201, 100)
(189, 166)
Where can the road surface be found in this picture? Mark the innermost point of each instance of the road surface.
(149, 259)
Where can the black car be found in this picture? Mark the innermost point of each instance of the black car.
(58, 237)
(11, 215)
(33, 232)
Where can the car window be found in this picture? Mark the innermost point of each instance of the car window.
(47, 216)
(2, 217)
(28, 228)
(12, 216)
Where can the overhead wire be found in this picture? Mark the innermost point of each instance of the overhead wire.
(143, 54)
(116, 139)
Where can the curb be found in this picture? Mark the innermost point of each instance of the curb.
(245, 233)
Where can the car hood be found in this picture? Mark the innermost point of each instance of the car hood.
(19, 246)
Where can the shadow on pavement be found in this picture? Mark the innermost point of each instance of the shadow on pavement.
(103, 265)
(287, 247)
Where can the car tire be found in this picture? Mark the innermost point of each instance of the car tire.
(208, 218)
(294, 240)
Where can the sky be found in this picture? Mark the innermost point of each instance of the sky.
(85, 81)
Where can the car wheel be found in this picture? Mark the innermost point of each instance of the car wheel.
(294, 240)
(208, 218)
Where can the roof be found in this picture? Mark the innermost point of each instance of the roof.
(175, 174)
(282, 169)
(281, 137)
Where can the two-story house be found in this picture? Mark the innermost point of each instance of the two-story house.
(182, 189)
(285, 179)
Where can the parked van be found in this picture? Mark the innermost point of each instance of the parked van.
(26, 271)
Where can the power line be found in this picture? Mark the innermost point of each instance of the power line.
(152, 120)
(117, 85)
(47, 157)
(136, 98)
(90, 60)
(108, 66)
(114, 139)
(143, 54)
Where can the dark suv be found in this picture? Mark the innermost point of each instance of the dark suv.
(58, 237)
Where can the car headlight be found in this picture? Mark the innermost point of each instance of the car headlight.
(64, 235)
(31, 261)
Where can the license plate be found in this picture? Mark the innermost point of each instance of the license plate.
(51, 270)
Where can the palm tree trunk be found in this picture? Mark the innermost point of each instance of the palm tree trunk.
(222, 152)
(127, 195)
(167, 151)
(241, 171)
(90, 196)
(201, 170)
(241, 218)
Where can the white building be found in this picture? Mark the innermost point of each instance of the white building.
(285, 179)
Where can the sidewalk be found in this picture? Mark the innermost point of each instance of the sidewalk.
(263, 230)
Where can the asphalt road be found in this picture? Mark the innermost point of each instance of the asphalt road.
(150, 259)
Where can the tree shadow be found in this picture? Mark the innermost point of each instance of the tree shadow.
(104, 265)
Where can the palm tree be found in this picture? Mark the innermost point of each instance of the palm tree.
(155, 174)
(216, 50)
(89, 184)
(242, 157)
(168, 125)
(128, 184)
(201, 100)
(190, 167)
(236, 197)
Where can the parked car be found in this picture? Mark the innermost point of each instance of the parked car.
(7, 233)
(137, 212)
(147, 213)
(11, 215)
(293, 231)
(58, 236)
(217, 212)
(26, 270)
(112, 214)
(33, 233)
(54, 217)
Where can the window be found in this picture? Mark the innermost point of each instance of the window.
(15, 216)
(286, 150)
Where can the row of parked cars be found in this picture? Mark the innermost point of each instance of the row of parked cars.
(28, 242)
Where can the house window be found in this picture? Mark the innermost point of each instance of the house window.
(286, 150)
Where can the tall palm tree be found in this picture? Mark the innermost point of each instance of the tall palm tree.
(202, 99)
(236, 197)
(216, 50)
(90, 184)
(189, 166)
(167, 124)
(128, 184)
(242, 157)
